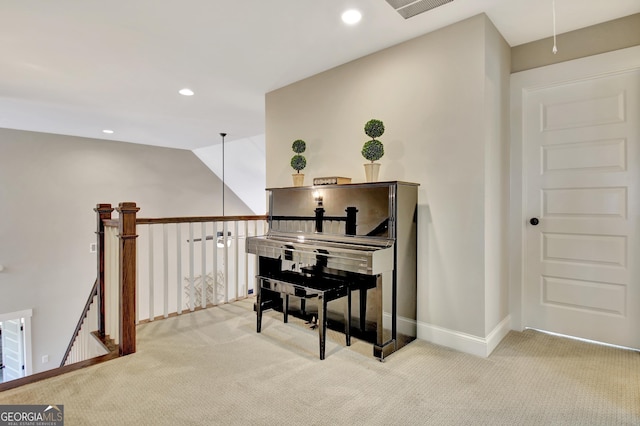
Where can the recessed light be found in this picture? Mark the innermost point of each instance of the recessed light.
(351, 17)
(108, 131)
(186, 92)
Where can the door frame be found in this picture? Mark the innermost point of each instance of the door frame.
(522, 82)
(26, 316)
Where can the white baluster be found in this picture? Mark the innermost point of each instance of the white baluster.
(192, 298)
(107, 276)
(112, 276)
(165, 269)
(84, 343)
(203, 281)
(256, 226)
(236, 255)
(115, 288)
(114, 308)
(139, 300)
(179, 266)
(151, 280)
(245, 293)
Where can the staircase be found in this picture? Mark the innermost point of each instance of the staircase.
(87, 342)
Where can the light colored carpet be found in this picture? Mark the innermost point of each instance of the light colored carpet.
(211, 368)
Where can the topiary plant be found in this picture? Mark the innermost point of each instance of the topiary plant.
(374, 128)
(298, 162)
(373, 150)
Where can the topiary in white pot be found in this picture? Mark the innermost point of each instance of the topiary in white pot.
(373, 150)
(298, 161)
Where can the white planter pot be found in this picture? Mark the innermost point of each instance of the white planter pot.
(371, 171)
(298, 179)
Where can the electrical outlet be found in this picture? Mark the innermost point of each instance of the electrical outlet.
(93, 247)
(45, 359)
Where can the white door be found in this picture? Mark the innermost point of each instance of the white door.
(581, 162)
(12, 349)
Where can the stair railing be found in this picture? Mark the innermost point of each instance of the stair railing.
(212, 247)
(78, 346)
(191, 263)
(98, 329)
(181, 264)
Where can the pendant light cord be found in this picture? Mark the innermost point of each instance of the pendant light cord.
(223, 187)
(555, 48)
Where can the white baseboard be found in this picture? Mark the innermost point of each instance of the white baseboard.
(463, 342)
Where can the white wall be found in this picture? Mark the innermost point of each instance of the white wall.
(244, 168)
(444, 111)
(49, 185)
(496, 89)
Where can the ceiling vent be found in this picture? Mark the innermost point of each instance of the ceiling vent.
(409, 8)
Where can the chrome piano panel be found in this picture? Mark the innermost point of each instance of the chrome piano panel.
(369, 256)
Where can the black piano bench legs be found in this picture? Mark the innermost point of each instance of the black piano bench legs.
(323, 295)
(347, 319)
(258, 313)
(322, 324)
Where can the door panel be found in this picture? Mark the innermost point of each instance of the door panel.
(12, 349)
(582, 159)
(584, 202)
(585, 295)
(602, 155)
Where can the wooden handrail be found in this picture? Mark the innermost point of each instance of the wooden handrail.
(148, 221)
(85, 311)
(187, 219)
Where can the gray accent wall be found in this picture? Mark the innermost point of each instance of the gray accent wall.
(606, 37)
(443, 98)
(49, 185)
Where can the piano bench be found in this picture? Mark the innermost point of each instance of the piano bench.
(361, 283)
(323, 292)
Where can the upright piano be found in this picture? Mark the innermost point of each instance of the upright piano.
(326, 242)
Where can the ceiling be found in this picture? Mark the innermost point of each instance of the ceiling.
(77, 67)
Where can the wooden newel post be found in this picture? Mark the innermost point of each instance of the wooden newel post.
(127, 280)
(103, 213)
